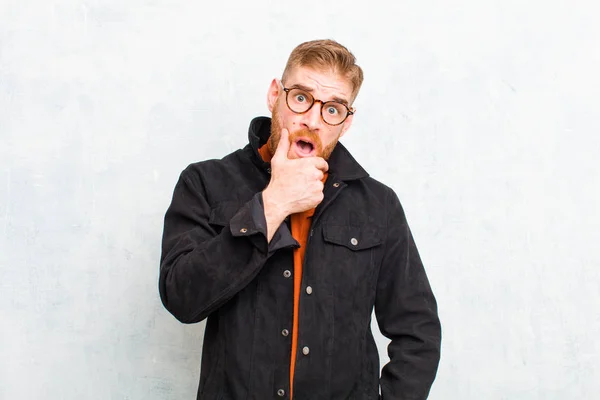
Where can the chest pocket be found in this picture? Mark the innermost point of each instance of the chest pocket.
(351, 257)
(353, 237)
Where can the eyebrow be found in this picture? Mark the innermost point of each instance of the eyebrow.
(310, 90)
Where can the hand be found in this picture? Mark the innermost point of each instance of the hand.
(295, 185)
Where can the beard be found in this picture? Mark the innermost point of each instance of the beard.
(273, 142)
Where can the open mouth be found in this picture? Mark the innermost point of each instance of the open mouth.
(304, 147)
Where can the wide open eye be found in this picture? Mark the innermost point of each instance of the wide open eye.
(299, 100)
(299, 96)
(334, 112)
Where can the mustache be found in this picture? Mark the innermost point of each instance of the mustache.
(312, 136)
(306, 133)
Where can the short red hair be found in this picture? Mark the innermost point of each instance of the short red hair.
(326, 55)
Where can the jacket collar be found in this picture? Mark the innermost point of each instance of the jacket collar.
(341, 162)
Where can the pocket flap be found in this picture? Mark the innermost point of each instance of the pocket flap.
(353, 237)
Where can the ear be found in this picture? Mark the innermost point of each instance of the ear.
(347, 123)
(273, 94)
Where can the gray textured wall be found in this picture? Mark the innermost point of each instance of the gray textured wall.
(483, 115)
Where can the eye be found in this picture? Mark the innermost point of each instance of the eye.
(331, 110)
(300, 98)
(335, 109)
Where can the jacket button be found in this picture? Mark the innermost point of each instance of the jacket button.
(268, 170)
(305, 350)
(285, 332)
(308, 290)
(287, 273)
(336, 185)
(281, 393)
(243, 230)
(354, 241)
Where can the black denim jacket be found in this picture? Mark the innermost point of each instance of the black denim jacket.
(216, 264)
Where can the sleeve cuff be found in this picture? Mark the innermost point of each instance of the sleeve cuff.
(250, 222)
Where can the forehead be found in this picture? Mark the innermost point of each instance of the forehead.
(324, 85)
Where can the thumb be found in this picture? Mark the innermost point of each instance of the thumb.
(283, 146)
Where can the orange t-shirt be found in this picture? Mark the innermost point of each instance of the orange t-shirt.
(300, 224)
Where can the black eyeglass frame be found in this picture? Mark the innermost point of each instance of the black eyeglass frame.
(287, 92)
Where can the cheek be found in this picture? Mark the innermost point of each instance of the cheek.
(332, 137)
(287, 118)
(290, 120)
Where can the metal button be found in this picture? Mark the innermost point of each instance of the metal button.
(305, 350)
(243, 230)
(285, 332)
(336, 185)
(308, 290)
(287, 273)
(281, 393)
(268, 170)
(354, 241)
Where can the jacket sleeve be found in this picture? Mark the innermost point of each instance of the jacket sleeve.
(406, 312)
(201, 268)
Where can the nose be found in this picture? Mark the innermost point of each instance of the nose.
(312, 118)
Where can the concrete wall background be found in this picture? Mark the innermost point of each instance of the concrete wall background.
(483, 115)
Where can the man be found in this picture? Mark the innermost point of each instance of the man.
(288, 245)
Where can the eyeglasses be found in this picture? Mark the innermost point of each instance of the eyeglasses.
(300, 101)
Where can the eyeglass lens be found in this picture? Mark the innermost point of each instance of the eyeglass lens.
(301, 101)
